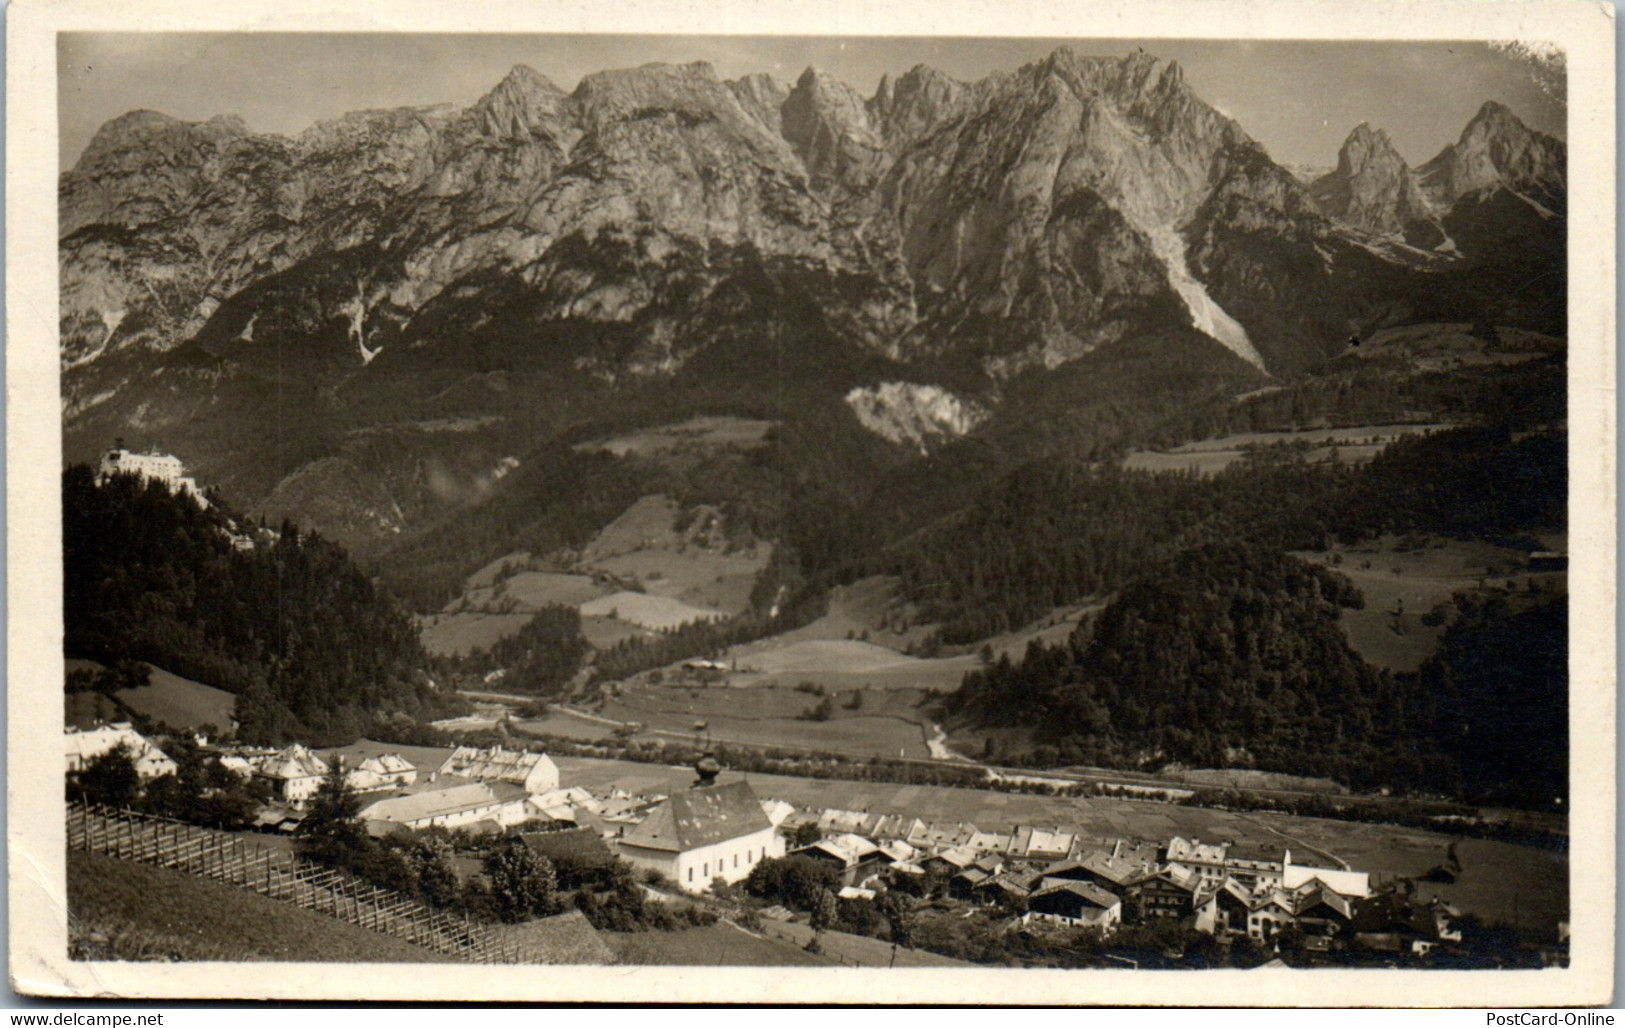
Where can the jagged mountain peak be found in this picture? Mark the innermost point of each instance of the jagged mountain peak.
(1366, 147)
(1493, 112)
(1373, 189)
(694, 88)
(828, 125)
(523, 76)
(762, 95)
(519, 105)
(155, 130)
(916, 101)
(1495, 149)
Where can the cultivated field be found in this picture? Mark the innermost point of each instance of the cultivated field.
(456, 634)
(702, 432)
(870, 607)
(169, 698)
(843, 664)
(1210, 456)
(123, 910)
(1442, 346)
(1402, 584)
(639, 574)
(533, 590)
(568, 727)
(602, 633)
(661, 613)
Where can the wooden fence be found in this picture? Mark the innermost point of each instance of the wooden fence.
(234, 860)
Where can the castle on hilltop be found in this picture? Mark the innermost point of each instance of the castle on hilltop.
(158, 467)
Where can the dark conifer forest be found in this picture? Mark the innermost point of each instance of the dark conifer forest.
(312, 648)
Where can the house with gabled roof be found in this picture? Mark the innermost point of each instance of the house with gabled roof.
(1223, 911)
(294, 773)
(1204, 860)
(1171, 893)
(535, 772)
(1271, 912)
(962, 885)
(1356, 884)
(940, 835)
(1068, 902)
(832, 822)
(703, 833)
(854, 856)
(1256, 865)
(898, 827)
(567, 804)
(989, 842)
(1321, 914)
(384, 771)
(1008, 890)
(896, 851)
(85, 745)
(777, 811)
(1117, 874)
(950, 861)
(463, 805)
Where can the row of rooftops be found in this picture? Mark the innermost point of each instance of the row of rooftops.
(472, 777)
(1033, 842)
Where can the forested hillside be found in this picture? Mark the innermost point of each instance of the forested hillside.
(1230, 654)
(1500, 687)
(1219, 649)
(310, 646)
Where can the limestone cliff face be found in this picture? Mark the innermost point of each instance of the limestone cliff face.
(907, 261)
(1372, 187)
(1453, 206)
(1049, 215)
(918, 415)
(658, 219)
(1496, 150)
(1024, 219)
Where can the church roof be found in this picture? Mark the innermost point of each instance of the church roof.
(701, 817)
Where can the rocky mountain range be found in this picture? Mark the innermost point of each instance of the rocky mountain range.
(1498, 160)
(917, 261)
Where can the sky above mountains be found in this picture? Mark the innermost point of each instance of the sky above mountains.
(1299, 98)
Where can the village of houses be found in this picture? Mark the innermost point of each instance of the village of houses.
(1038, 878)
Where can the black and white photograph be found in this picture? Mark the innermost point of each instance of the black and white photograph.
(718, 505)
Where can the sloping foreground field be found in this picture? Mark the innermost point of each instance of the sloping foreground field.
(123, 910)
(1500, 881)
(717, 945)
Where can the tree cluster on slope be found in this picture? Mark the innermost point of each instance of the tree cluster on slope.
(311, 646)
(1234, 651)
